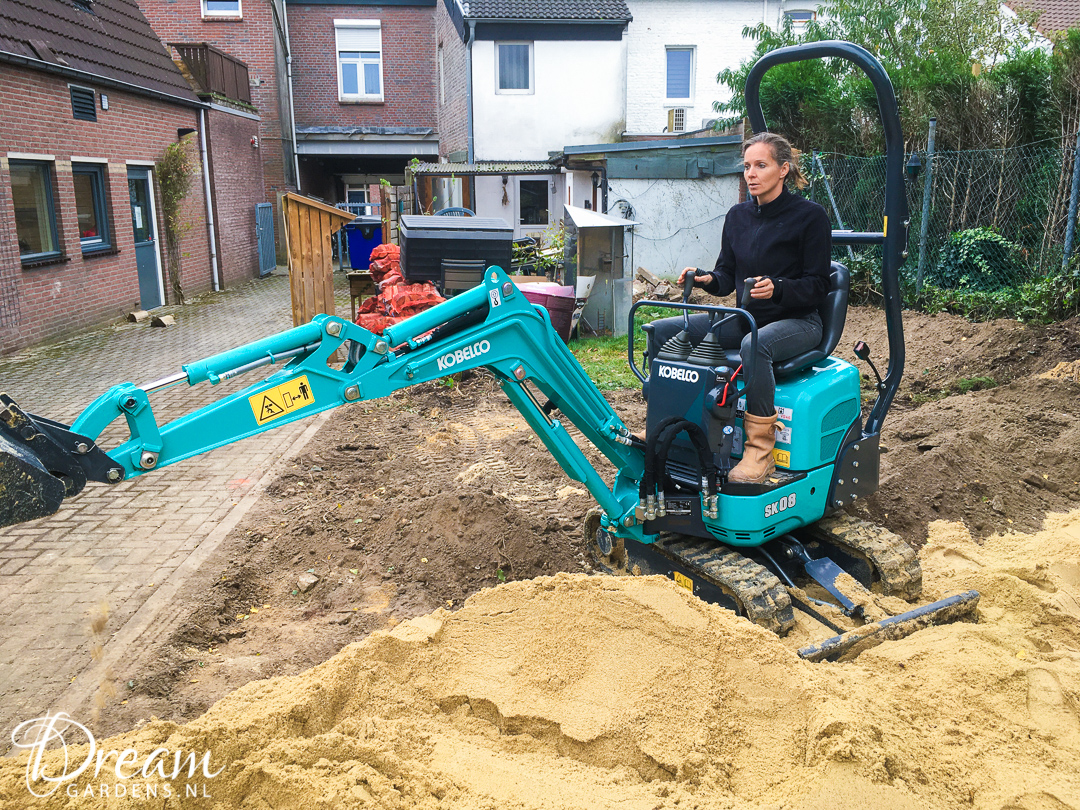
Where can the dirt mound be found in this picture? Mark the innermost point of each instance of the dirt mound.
(574, 691)
(403, 505)
(994, 459)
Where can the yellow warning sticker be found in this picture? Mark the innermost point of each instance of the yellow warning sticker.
(782, 457)
(683, 581)
(282, 399)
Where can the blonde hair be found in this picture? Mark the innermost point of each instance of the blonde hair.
(782, 152)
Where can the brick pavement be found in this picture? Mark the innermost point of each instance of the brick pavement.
(127, 547)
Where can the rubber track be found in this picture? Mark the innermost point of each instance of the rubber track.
(893, 559)
(763, 598)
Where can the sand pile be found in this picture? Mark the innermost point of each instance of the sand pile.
(596, 692)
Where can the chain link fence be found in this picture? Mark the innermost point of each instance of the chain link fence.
(996, 219)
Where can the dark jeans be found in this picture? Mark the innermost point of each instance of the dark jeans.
(777, 341)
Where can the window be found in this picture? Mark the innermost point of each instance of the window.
(680, 73)
(513, 67)
(90, 207)
(221, 8)
(533, 202)
(799, 19)
(359, 57)
(35, 216)
(83, 107)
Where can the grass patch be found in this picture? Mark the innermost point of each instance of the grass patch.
(604, 358)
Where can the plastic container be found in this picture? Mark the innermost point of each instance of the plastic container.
(364, 234)
(427, 240)
(559, 301)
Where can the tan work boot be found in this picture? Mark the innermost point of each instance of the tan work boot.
(759, 438)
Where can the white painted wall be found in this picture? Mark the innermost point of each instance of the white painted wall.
(681, 220)
(489, 200)
(579, 98)
(713, 28)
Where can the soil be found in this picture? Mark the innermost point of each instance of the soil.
(407, 507)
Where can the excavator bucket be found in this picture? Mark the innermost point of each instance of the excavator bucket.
(27, 489)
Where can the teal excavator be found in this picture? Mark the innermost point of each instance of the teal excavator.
(761, 550)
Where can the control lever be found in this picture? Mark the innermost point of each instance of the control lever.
(862, 351)
(748, 285)
(687, 288)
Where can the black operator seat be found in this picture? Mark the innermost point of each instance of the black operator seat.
(833, 312)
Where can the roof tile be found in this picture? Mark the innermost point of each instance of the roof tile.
(1056, 15)
(115, 41)
(614, 10)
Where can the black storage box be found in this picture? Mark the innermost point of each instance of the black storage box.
(427, 241)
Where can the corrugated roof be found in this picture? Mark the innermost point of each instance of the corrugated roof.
(507, 167)
(614, 10)
(1056, 15)
(114, 41)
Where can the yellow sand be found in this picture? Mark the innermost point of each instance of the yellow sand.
(597, 692)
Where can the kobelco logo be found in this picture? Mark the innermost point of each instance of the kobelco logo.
(461, 355)
(683, 374)
(781, 505)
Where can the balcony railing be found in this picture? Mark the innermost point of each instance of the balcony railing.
(215, 70)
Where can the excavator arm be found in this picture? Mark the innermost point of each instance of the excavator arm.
(491, 326)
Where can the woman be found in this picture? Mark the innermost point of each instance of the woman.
(782, 245)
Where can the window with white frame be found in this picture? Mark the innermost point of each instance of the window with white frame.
(513, 67)
(221, 8)
(680, 74)
(359, 60)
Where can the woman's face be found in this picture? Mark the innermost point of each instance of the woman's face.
(764, 176)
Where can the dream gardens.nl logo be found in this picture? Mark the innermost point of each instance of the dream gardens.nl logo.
(50, 766)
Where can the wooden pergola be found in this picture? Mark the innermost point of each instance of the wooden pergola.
(309, 226)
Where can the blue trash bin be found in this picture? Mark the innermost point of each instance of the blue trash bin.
(364, 234)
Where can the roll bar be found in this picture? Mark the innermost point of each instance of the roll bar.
(894, 231)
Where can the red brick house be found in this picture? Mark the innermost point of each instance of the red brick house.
(364, 86)
(254, 33)
(89, 102)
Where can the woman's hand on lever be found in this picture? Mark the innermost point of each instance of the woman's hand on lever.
(763, 288)
(701, 278)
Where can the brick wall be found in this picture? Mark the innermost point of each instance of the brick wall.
(238, 182)
(250, 39)
(453, 112)
(37, 303)
(409, 70)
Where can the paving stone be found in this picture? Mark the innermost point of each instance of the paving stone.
(109, 542)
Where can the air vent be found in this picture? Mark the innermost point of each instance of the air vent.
(676, 119)
(82, 104)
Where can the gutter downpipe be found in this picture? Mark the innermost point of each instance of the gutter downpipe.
(292, 105)
(470, 139)
(215, 271)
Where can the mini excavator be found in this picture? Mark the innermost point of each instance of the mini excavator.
(758, 549)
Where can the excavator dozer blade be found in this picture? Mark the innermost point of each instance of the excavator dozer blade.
(27, 489)
(961, 607)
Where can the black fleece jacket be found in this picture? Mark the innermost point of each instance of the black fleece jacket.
(790, 241)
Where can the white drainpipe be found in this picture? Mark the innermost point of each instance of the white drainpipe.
(215, 274)
(292, 106)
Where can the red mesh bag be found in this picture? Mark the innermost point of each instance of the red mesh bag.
(396, 300)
